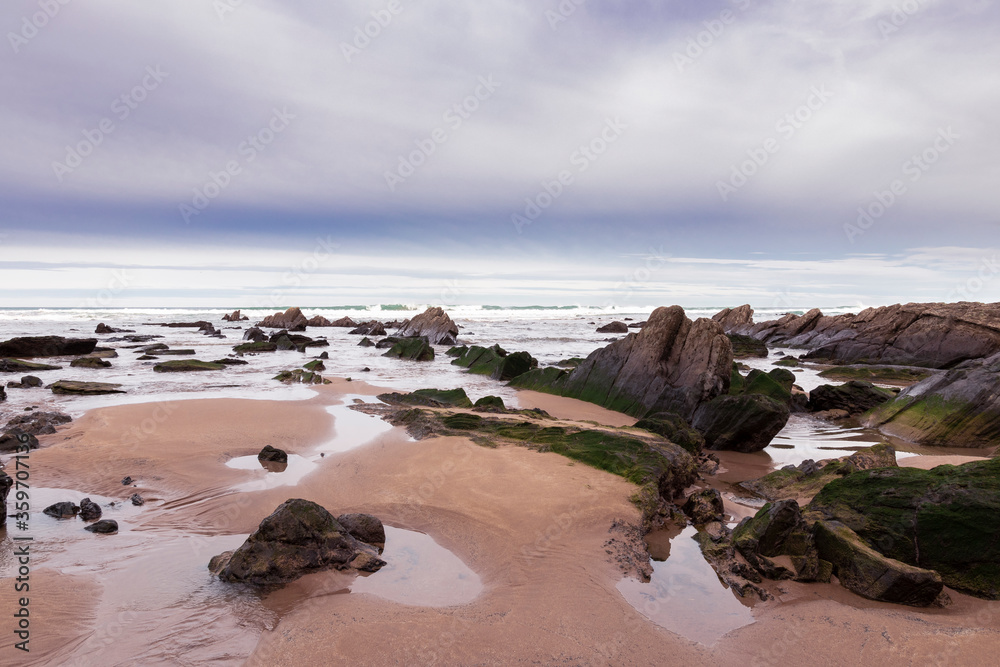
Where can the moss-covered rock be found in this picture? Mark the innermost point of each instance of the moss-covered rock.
(264, 346)
(85, 388)
(897, 375)
(491, 403)
(856, 397)
(20, 366)
(946, 519)
(495, 362)
(315, 366)
(187, 366)
(457, 351)
(90, 362)
(775, 384)
(674, 428)
(299, 376)
(745, 347)
(744, 423)
(788, 362)
(431, 398)
(416, 348)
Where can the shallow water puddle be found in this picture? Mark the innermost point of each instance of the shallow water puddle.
(685, 596)
(270, 475)
(806, 437)
(353, 428)
(420, 572)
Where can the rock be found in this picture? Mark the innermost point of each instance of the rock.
(318, 321)
(298, 538)
(671, 365)
(432, 398)
(18, 366)
(958, 408)
(254, 335)
(255, 347)
(363, 527)
(414, 349)
(344, 323)
(176, 353)
(855, 397)
(3, 394)
(613, 328)
(137, 500)
(868, 573)
(226, 361)
(30, 382)
(387, 343)
(745, 347)
(732, 318)
(897, 375)
(14, 440)
(272, 454)
(491, 404)
(84, 388)
(90, 362)
(64, 510)
(496, 362)
(187, 366)
(89, 510)
(945, 519)
(299, 376)
(315, 366)
(324, 355)
(103, 527)
(155, 348)
(235, 316)
(366, 342)
(127, 480)
(372, 328)
(47, 346)
(704, 507)
(744, 423)
(292, 320)
(933, 335)
(675, 429)
(778, 529)
(103, 328)
(637, 325)
(434, 324)
(776, 384)
(6, 484)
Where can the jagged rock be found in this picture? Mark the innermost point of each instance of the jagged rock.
(745, 423)
(366, 342)
(434, 324)
(855, 397)
(344, 323)
(298, 538)
(127, 480)
(496, 362)
(103, 328)
(89, 510)
(90, 362)
(299, 376)
(613, 328)
(958, 408)
(704, 507)
(414, 349)
(671, 365)
(316, 366)
(732, 318)
(272, 454)
(292, 320)
(103, 527)
(254, 335)
(47, 346)
(15, 438)
(372, 328)
(18, 366)
(64, 510)
(324, 356)
(363, 527)
(318, 321)
(745, 347)
(945, 519)
(673, 427)
(235, 316)
(84, 388)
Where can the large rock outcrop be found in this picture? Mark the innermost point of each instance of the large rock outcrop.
(933, 335)
(298, 538)
(745, 423)
(671, 365)
(47, 346)
(733, 318)
(433, 323)
(292, 320)
(854, 397)
(946, 519)
(496, 362)
(958, 408)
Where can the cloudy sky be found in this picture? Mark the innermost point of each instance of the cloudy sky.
(254, 152)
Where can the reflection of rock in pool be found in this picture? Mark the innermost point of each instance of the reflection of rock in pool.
(685, 595)
(274, 474)
(274, 466)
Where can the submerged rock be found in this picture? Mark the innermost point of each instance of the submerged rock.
(298, 538)
(434, 324)
(366, 342)
(90, 362)
(19, 366)
(372, 328)
(84, 388)
(103, 527)
(47, 346)
(187, 366)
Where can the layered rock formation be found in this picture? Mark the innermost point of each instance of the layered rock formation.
(433, 323)
(292, 320)
(733, 318)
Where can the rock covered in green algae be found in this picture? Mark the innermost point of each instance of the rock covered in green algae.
(84, 388)
(187, 366)
(745, 347)
(675, 429)
(856, 397)
(416, 348)
(496, 362)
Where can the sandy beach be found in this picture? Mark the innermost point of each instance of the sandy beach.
(532, 526)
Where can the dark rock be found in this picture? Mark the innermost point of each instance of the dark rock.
(414, 349)
(6, 484)
(272, 454)
(434, 324)
(671, 365)
(372, 328)
(324, 355)
(176, 353)
(30, 382)
(613, 328)
(47, 346)
(254, 335)
(744, 423)
(855, 397)
(89, 510)
(344, 323)
(491, 403)
(292, 320)
(315, 366)
(255, 347)
(18, 366)
(366, 342)
(65, 510)
(363, 527)
(318, 321)
(733, 318)
(297, 538)
(84, 388)
(103, 328)
(432, 398)
(496, 362)
(137, 500)
(15, 438)
(299, 376)
(127, 480)
(227, 361)
(155, 348)
(386, 343)
(675, 429)
(187, 366)
(745, 347)
(704, 507)
(103, 527)
(90, 362)
(235, 316)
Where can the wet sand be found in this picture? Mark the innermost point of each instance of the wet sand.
(533, 527)
(928, 462)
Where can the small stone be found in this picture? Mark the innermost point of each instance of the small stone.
(127, 481)
(137, 500)
(89, 510)
(103, 527)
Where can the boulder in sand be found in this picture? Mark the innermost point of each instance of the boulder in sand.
(14, 440)
(433, 323)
